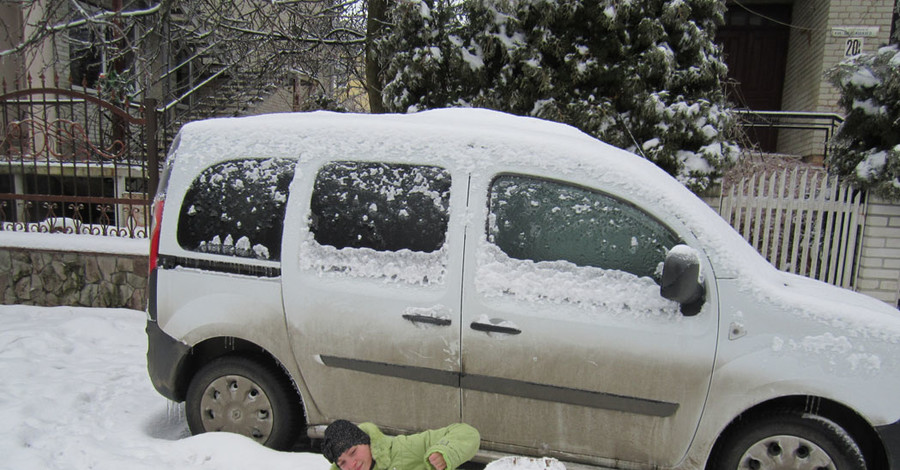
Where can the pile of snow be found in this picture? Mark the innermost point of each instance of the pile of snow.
(525, 463)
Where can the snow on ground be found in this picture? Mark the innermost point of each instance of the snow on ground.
(75, 394)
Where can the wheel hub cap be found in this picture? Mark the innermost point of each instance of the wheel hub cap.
(786, 452)
(234, 403)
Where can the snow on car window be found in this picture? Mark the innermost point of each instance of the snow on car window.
(236, 208)
(394, 267)
(381, 221)
(592, 290)
(385, 207)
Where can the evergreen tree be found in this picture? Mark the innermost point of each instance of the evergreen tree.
(866, 149)
(644, 75)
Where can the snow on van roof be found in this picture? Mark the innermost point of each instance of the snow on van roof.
(471, 138)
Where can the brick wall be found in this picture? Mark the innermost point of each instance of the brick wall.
(813, 49)
(804, 72)
(879, 265)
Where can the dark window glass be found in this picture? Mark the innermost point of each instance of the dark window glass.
(540, 220)
(86, 59)
(386, 207)
(236, 208)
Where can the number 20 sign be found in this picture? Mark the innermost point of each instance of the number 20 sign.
(853, 47)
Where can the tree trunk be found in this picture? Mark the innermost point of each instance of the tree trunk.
(374, 24)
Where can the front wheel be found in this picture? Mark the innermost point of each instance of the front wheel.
(788, 440)
(244, 396)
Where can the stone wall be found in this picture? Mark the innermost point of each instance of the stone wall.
(53, 278)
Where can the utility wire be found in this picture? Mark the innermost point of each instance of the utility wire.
(782, 23)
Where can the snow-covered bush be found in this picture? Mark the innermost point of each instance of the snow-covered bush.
(866, 149)
(643, 75)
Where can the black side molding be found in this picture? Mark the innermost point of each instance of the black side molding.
(516, 388)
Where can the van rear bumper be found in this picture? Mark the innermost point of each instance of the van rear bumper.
(890, 437)
(165, 360)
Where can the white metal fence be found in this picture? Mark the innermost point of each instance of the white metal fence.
(802, 221)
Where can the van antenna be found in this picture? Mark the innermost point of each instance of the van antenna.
(633, 140)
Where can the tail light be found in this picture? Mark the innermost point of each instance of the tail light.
(156, 223)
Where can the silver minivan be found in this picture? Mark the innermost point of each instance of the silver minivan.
(564, 297)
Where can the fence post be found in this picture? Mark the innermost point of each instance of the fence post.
(152, 146)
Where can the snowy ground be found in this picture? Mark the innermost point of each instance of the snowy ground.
(75, 395)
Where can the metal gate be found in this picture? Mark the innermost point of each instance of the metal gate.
(803, 222)
(76, 161)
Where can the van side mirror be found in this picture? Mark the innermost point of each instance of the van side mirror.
(681, 279)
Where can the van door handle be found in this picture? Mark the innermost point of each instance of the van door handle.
(491, 328)
(427, 319)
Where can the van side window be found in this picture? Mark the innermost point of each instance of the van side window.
(541, 220)
(382, 206)
(236, 208)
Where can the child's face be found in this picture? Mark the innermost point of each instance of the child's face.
(358, 457)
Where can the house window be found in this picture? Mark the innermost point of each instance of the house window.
(86, 57)
(97, 49)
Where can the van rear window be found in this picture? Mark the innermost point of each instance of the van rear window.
(236, 208)
(382, 206)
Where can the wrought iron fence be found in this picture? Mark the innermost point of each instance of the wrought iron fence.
(826, 123)
(76, 160)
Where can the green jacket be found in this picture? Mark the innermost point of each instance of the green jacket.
(457, 443)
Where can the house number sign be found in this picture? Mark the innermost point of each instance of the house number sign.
(854, 37)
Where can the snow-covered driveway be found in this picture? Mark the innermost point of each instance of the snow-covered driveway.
(75, 394)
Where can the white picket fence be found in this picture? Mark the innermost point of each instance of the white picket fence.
(803, 222)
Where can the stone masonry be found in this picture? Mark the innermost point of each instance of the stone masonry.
(52, 278)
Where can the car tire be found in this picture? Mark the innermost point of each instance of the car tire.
(244, 396)
(789, 439)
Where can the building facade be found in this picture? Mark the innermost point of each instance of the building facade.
(778, 53)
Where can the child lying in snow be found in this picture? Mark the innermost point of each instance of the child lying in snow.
(365, 447)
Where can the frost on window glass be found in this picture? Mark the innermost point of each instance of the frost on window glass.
(236, 208)
(385, 207)
(617, 294)
(540, 220)
(379, 221)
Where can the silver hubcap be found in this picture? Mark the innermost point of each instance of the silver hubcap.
(785, 452)
(236, 404)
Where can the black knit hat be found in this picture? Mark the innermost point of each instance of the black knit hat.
(340, 436)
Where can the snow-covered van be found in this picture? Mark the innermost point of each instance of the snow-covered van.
(564, 297)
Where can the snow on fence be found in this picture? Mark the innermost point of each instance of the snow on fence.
(803, 222)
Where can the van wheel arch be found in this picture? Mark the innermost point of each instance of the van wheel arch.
(213, 348)
(208, 350)
(856, 426)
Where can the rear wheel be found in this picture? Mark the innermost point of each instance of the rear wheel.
(244, 396)
(789, 440)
